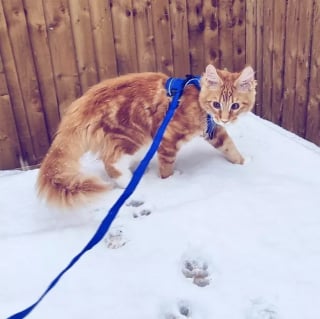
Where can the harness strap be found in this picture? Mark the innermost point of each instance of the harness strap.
(211, 127)
(173, 85)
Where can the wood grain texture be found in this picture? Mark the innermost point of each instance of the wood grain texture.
(292, 23)
(162, 36)
(267, 85)
(9, 142)
(212, 28)
(196, 27)
(260, 45)
(251, 33)
(226, 25)
(239, 34)
(144, 34)
(278, 60)
(125, 44)
(62, 50)
(38, 36)
(180, 40)
(12, 85)
(303, 66)
(52, 51)
(27, 77)
(103, 39)
(313, 109)
(83, 41)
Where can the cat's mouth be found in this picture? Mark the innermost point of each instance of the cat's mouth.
(221, 121)
(225, 122)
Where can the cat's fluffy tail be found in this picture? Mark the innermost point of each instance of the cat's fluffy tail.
(60, 181)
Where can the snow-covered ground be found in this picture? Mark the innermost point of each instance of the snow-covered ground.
(215, 241)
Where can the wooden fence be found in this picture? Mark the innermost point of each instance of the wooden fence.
(283, 44)
(51, 51)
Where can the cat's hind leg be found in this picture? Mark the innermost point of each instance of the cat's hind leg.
(222, 141)
(120, 171)
(120, 168)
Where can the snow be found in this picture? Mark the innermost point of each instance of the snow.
(248, 235)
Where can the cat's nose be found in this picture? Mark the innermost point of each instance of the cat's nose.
(224, 121)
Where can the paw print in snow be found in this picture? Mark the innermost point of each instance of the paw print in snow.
(139, 213)
(182, 312)
(197, 271)
(261, 310)
(135, 203)
(144, 212)
(115, 239)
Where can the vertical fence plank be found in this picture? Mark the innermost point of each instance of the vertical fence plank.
(162, 34)
(313, 111)
(68, 45)
(259, 61)
(14, 89)
(81, 27)
(267, 59)
(302, 73)
(144, 34)
(17, 27)
(251, 32)
(292, 22)
(226, 33)
(62, 52)
(123, 27)
(278, 60)
(195, 29)
(103, 38)
(9, 141)
(180, 41)
(239, 34)
(42, 59)
(251, 38)
(212, 47)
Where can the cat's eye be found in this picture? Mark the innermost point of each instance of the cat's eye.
(217, 105)
(235, 106)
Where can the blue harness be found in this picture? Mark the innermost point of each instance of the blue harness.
(175, 87)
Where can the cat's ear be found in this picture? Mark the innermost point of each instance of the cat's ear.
(212, 78)
(246, 81)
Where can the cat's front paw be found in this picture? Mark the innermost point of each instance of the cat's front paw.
(244, 160)
(241, 160)
(237, 159)
(247, 160)
(166, 172)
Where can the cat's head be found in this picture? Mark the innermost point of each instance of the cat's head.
(226, 95)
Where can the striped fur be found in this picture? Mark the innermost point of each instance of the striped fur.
(118, 117)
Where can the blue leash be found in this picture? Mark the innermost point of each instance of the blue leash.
(175, 87)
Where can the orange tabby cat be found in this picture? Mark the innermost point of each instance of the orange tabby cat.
(118, 117)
